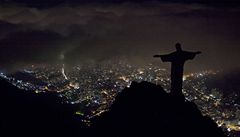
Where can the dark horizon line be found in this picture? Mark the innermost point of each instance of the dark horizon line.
(51, 3)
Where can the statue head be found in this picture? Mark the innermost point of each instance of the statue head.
(178, 47)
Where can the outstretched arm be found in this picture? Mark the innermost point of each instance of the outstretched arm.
(164, 58)
(198, 52)
(157, 56)
(190, 55)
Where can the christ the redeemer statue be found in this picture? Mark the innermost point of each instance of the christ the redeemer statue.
(177, 59)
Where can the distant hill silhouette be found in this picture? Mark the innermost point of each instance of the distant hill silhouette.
(24, 113)
(144, 109)
(228, 82)
(28, 78)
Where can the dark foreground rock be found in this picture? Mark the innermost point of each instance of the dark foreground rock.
(143, 110)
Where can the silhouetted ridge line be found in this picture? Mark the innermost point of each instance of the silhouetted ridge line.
(145, 109)
(24, 113)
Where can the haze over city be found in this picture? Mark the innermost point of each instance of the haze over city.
(76, 32)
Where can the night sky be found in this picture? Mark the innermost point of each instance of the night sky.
(80, 31)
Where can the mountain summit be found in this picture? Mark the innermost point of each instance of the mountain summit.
(145, 109)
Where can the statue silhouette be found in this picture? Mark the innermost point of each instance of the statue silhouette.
(177, 59)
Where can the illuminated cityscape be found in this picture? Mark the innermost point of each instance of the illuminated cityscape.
(94, 88)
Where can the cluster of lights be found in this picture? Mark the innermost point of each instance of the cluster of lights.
(119, 80)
